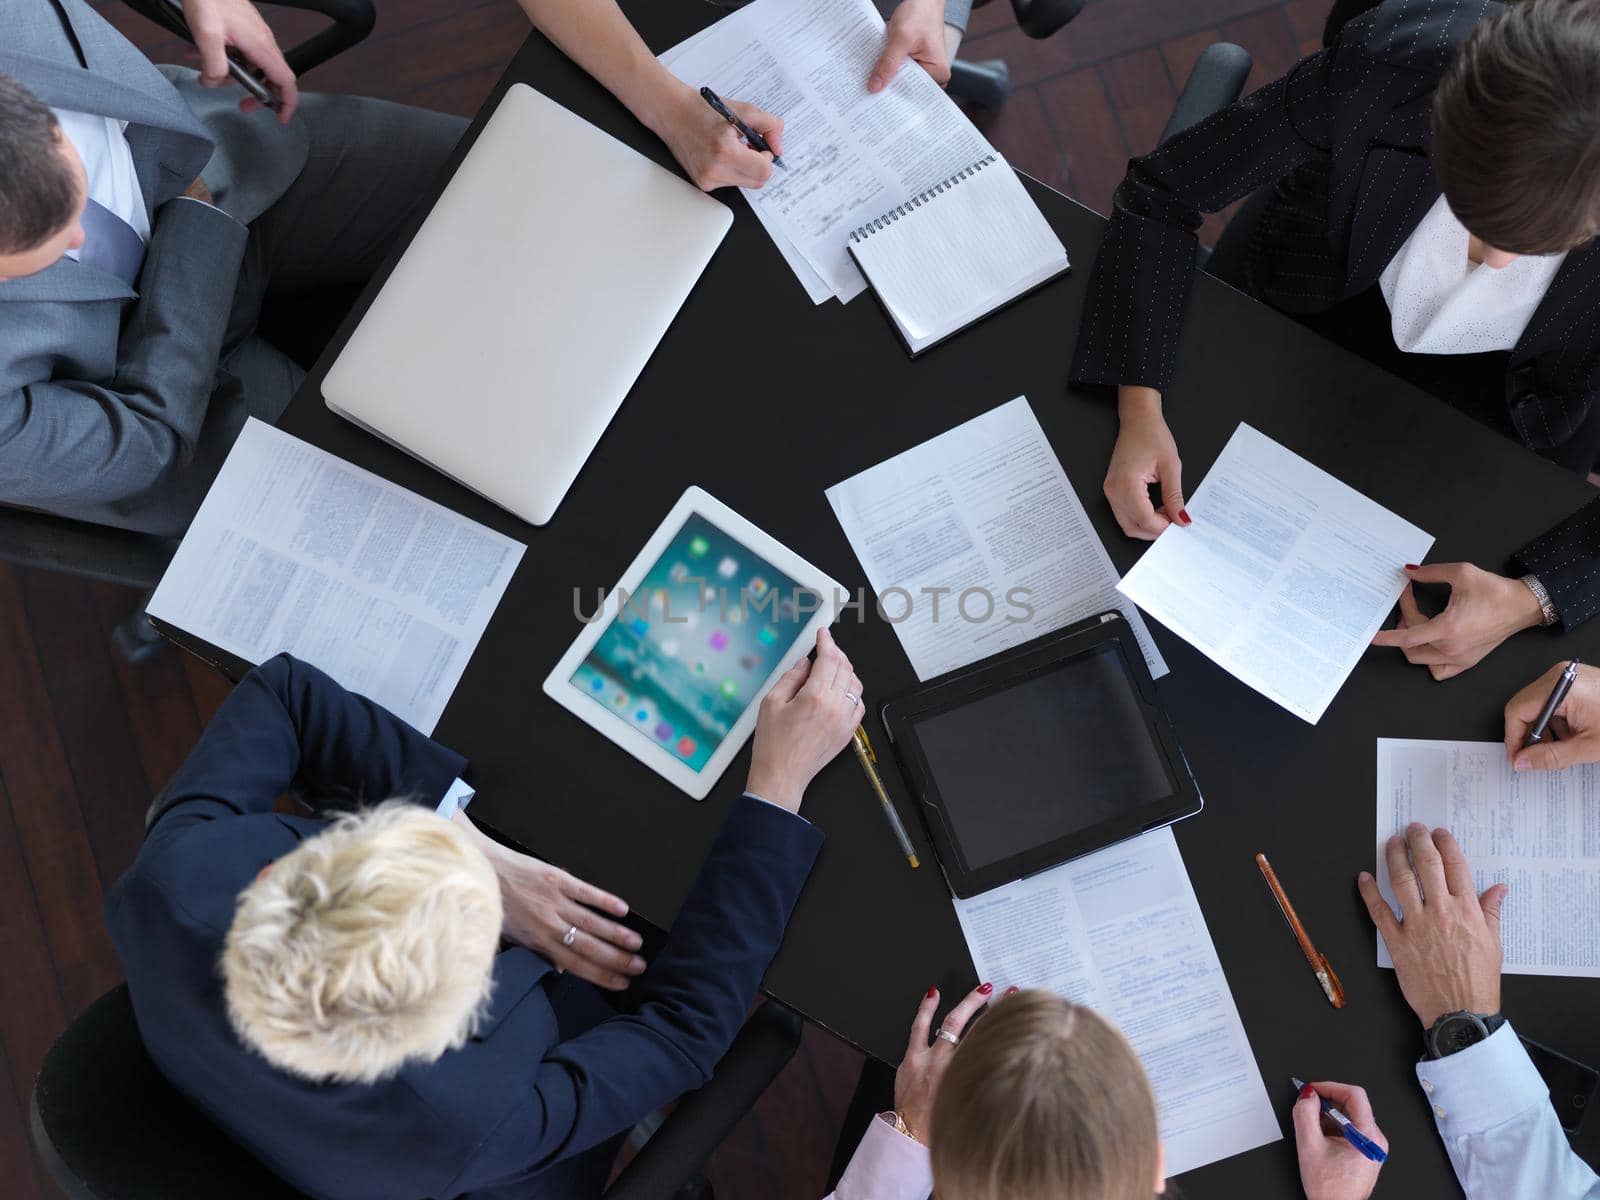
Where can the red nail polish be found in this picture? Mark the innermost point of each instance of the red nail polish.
(932, 992)
(1412, 567)
(1012, 990)
(1308, 1092)
(1183, 515)
(985, 988)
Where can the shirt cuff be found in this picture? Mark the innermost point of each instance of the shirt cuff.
(1482, 1086)
(770, 804)
(456, 799)
(886, 1166)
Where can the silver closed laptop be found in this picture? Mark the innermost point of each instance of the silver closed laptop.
(527, 304)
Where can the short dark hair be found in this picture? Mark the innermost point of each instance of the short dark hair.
(1516, 127)
(38, 189)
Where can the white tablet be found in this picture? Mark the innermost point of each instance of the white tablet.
(673, 666)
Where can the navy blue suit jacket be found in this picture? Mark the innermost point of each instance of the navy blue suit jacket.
(528, 1091)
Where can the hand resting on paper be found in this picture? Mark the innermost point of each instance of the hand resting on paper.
(1484, 610)
(1145, 454)
(1575, 727)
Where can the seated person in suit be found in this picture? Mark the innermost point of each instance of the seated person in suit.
(1434, 196)
(355, 999)
(1490, 1104)
(145, 218)
(1045, 1100)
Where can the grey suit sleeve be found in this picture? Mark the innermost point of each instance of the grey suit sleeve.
(957, 12)
(66, 443)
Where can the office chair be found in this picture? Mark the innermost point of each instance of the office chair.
(301, 328)
(987, 83)
(108, 1126)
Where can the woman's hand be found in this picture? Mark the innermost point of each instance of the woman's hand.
(541, 903)
(1484, 610)
(806, 719)
(1330, 1167)
(1576, 723)
(1145, 453)
(218, 24)
(916, 31)
(709, 149)
(916, 1083)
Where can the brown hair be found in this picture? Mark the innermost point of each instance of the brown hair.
(38, 189)
(1044, 1100)
(1516, 127)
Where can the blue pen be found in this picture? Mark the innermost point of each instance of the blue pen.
(1352, 1135)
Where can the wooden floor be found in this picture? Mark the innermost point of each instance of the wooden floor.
(86, 741)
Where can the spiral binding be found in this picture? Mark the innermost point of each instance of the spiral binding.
(878, 224)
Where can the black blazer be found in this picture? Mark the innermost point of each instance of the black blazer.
(1346, 133)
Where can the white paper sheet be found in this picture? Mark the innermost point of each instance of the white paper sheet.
(983, 506)
(294, 549)
(1121, 932)
(851, 155)
(1534, 830)
(1284, 576)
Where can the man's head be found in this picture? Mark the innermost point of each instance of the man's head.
(42, 185)
(367, 947)
(1516, 128)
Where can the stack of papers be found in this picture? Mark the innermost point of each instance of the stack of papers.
(296, 550)
(852, 155)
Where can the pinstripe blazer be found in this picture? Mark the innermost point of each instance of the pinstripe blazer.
(1345, 136)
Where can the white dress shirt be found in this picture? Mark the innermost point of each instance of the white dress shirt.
(108, 163)
(1440, 303)
(456, 798)
(887, 1165)
(1494, 1116)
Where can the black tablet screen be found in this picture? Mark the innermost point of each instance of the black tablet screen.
(1053, 755)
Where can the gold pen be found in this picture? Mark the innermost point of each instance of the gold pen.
(867, 756)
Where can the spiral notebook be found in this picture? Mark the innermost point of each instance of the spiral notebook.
(958, 251)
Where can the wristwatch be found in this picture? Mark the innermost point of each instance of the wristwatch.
(1457, 1030)
(898, 1122)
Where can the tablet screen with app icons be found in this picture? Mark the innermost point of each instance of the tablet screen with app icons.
(693, 643)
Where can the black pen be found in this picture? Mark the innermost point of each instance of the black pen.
(753, 139)
(1563, 686)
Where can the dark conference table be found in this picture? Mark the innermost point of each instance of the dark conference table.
(765, 400)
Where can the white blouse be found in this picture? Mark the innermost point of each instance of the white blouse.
(1440, 303)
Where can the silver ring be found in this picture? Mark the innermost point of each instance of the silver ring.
(570, 936)
(853, 698)
(945, 1035)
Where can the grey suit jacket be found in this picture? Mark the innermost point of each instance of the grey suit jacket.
(112, 407)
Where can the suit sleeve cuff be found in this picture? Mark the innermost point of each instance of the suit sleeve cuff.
(1482, 1086)
(779, 807)
(886, 1166)
(957, 13)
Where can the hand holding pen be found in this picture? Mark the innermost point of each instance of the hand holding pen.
(1338, 1142)
(736, 151)
(1562, 707)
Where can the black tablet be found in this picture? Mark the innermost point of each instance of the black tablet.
(1043, 754)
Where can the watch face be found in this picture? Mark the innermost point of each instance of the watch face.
(1457, 1032)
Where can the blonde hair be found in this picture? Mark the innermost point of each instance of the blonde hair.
(367, 947)
(1044, 1100)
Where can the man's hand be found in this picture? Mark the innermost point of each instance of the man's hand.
(709, 149)
(1484, 610)
(806, 719)
(1446, 946)
(916, 1083)
(1576, 723)
(916, 31)
(198, 191)
(541, 903)
(1330, 1167)
(1145, 453)
(218, 24)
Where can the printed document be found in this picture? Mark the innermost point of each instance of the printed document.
(294, 549)
(1284, 576)
(975, 542)
(1538, 831)
(1122, 933)
(852, 156)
